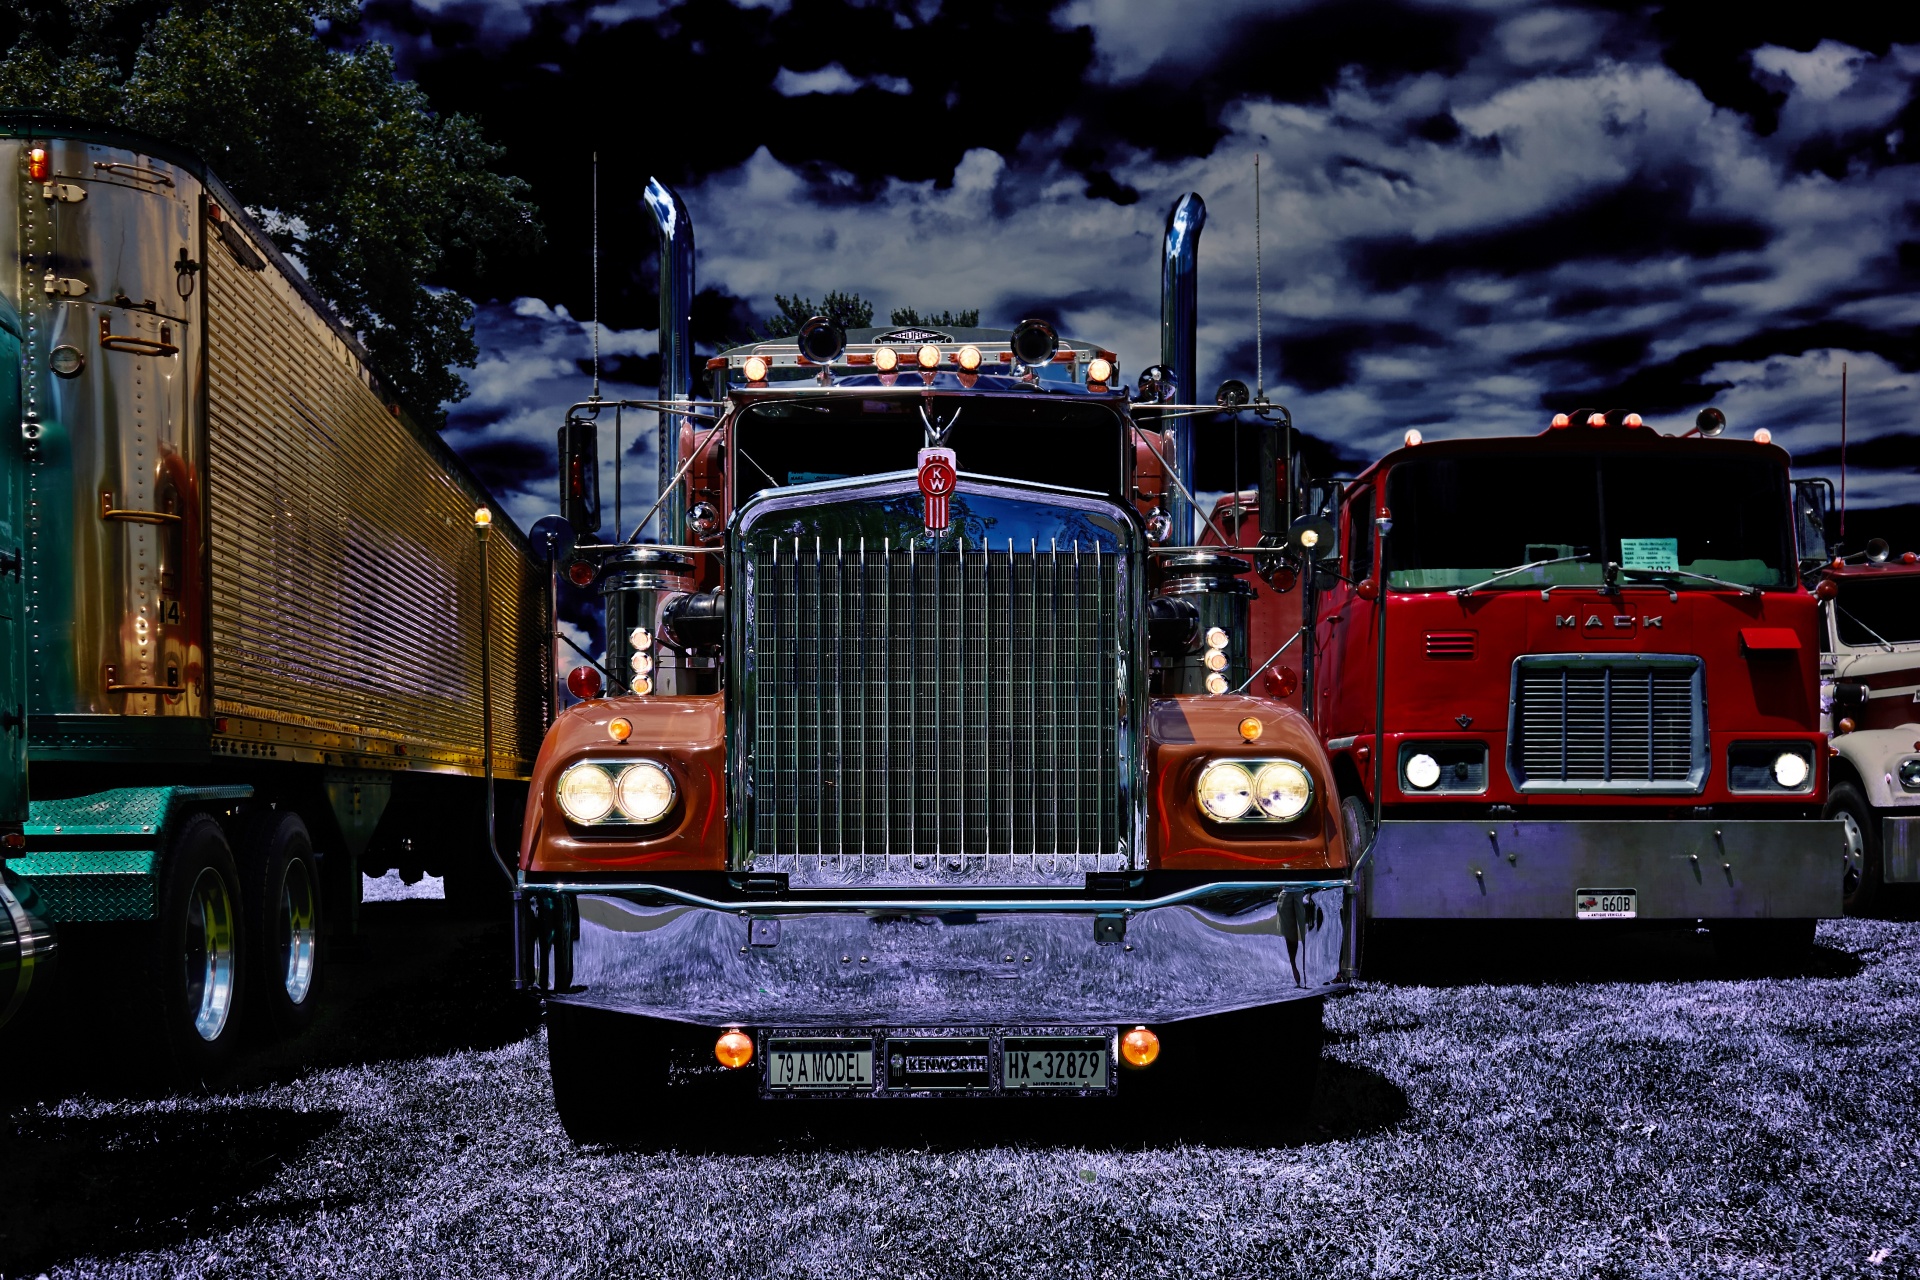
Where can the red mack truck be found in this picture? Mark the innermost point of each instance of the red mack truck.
(927, 768)
(1574, 676)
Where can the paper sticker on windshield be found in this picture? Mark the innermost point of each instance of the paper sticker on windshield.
(1656, 554)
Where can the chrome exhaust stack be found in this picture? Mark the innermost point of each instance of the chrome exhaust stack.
(1179, 338)
(676, 342)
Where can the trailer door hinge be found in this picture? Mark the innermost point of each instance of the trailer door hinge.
(65, 192)
(65, 286)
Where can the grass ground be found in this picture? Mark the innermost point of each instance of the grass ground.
(1524, 1103)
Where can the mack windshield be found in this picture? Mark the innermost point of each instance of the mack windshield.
(1460, 521)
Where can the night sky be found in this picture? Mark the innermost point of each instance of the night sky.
(1474, 214)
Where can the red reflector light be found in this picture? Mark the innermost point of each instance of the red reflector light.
(1561, 421)
(584, 682)
(580, 573)
(39, 164)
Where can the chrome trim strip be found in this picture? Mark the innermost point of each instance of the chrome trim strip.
(947, 906)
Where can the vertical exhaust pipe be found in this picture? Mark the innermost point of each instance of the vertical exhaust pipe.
(676, 341)
(1179, 338)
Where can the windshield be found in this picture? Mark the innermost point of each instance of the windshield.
(1887, 608)
(788, 442)
(1458, 521)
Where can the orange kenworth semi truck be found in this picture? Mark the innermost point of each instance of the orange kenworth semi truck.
(1576, 676)
(927, 765)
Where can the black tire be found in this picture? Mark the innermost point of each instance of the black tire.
(610, 1077)
(1764, 946)
(1356, 826)
(286, 957)
(1866, 883)
(196, 953)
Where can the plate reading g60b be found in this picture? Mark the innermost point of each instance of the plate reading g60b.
(1054, 1062)
(820, 1064)
(1605, 904)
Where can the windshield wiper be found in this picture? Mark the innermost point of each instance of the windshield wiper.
(1744, 588)
(1463, 592)
(1884, 642)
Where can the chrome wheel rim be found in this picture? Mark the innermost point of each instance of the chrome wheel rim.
(210, 954)
(1856, 843)
(299, 934)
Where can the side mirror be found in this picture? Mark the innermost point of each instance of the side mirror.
(1878, 552)
(580, 474)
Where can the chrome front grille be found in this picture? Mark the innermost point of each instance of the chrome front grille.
(929, 714)
(1622, 723)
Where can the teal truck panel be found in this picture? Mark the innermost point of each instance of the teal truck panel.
(95, 884)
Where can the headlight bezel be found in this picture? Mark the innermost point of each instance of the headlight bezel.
(1753, 768)
(616, 770)
(1252, 768)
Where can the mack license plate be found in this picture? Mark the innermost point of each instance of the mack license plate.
(818, 1065)
(1605, 904)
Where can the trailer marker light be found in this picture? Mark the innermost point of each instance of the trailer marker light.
(1216, 659)
(1560, 421)
(1283, 790)
(584, 682)
(929, 356)
(645, 791)
(1763, 436)
(1790, 770)
(640, 638)
(1413, 436)
(1225, 790)
(586, 793)
(1099, 370)
(1597, 420)
(968, 358)
(1250, 729)
(39, 168)
(1633, 420)
(1423, 771)
(482, 517)
(1139, 1047)
(1216, 637)
(734, 1048)
(620, 729)
(886, 359)
(755, 368)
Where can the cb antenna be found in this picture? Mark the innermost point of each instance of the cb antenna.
(596, 275)
(1259, 347)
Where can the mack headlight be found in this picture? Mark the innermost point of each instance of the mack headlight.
(596, 792)
(1254, 790)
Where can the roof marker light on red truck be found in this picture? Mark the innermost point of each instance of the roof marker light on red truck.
(1632, 420)
(1561, 421)
(1763, 436)
(1596, 419)
(1414, 437)
(1099, 371)
(755, 369)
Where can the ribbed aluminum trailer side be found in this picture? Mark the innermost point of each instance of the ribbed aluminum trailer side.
(254, 598)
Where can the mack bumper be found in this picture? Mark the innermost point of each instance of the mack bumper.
(1545, 870)
(692, 955)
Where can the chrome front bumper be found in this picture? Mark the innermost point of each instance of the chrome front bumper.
(873, 960)
(1680, 870)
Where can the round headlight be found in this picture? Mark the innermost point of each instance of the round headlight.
(1790, 770)
(1282, 790)
(1910, 775)
(1423, 771)
(1225, 790)
(646, 791)
(586, 793)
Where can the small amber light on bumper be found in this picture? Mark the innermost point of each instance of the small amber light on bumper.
(620, 729)
(1139, 1047)
(734, 1048)
(1250, 729)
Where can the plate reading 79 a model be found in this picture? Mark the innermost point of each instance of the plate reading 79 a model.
(809, 1065)
(1605, 904)
(1054, 1062)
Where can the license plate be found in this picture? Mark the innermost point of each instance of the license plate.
(1048, 1062)
(927, 1062)
(1605, 904)
(809, 1065)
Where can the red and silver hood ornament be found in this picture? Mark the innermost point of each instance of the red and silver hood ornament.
(939, 473)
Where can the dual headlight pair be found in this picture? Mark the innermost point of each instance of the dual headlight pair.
(1254, 790)
(596, 792)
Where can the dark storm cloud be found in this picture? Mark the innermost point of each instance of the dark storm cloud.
(1474, 212)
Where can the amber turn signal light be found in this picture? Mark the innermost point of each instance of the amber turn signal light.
(1139, 1047)
(620, 729)
(734, 1048)
(1250, 729)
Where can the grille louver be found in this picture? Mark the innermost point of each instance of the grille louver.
(1622, 725)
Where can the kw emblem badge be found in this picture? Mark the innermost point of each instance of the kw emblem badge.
(939, 473)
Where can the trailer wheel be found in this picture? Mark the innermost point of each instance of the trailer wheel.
(610, 1078)
(195, 963)
(283, 897)
(1866, 873)
(1763, 946)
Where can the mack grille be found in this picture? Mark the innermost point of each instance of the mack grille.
(930, 716)
(1631, 725)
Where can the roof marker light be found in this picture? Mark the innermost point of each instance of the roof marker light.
(1763, 436)
(886, 359)
(1413, 436)
(1099, 370)
(1633, 420)
(755, 368)
(968, 358)
(1561, 421)
(929, 356)
(1597, 420)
